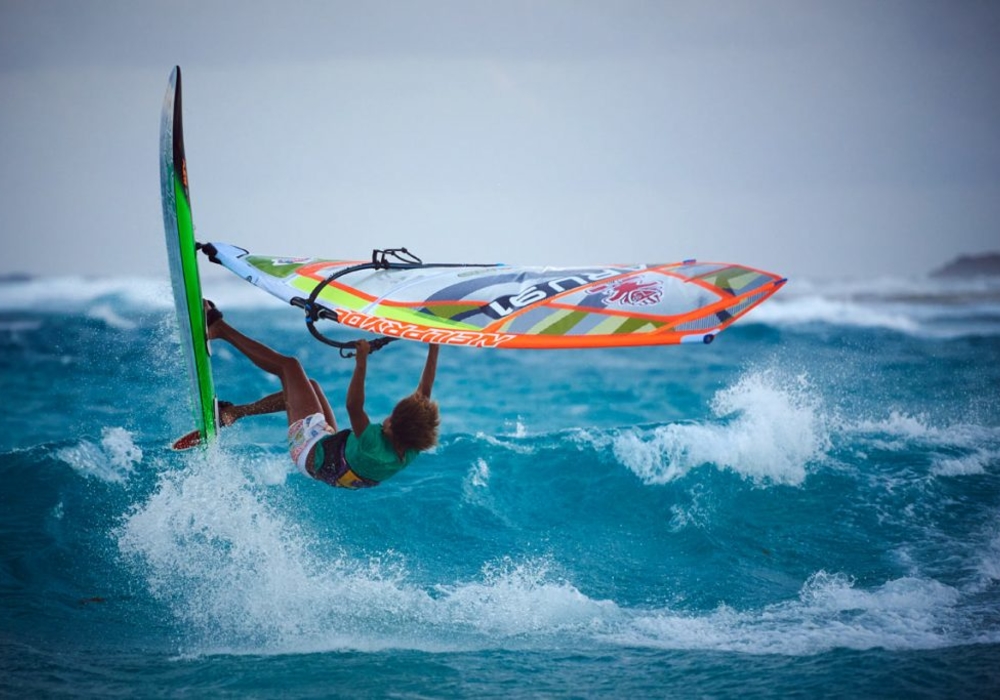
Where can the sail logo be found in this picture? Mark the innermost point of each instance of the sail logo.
(630, 292)
(504, 306)
(424, 334)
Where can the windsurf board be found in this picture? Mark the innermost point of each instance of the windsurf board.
(185, 280)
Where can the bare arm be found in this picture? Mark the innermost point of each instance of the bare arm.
(430, 370)
(356, 390)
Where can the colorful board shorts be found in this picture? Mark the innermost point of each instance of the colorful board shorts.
(303, 435)
(328, 463)
(330, 466)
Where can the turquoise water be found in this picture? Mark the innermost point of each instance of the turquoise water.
(810, 506)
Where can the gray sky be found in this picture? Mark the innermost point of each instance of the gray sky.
(806, 138)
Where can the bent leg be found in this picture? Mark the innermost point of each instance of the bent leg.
(327, 411)
(299, 397)
(273, 403)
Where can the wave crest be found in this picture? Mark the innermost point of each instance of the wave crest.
(113, 459)
(768, 427)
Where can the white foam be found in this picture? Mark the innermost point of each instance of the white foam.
(902, 431)
(768, 427)
(830, 612)
(229, 565)
(513, 443)
(898, 424)
(696, 513)
(230, 558)
(967, 465)
(919, 290)
(78, 294)
(272, 470)
(520, 598)
(927, 307)
(242, 572)
(106, 313)
(112, 460)
(834, 312)
(478, 476)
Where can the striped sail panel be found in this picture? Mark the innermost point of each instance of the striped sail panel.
(519, 307)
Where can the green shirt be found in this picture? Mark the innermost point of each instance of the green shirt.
(372, 456)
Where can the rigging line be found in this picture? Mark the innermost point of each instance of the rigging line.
(380, 262)
(412, 283)
(314, 310)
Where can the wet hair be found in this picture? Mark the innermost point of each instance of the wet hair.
(415, 423)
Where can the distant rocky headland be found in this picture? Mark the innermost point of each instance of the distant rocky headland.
(986, 264)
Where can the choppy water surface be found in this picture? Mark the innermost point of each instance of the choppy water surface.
(808, 505)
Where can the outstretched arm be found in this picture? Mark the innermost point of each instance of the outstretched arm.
(356, 389)
(430, 370)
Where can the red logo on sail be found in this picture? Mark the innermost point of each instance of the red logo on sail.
(630, 292)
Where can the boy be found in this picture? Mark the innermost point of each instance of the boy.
(364, 455)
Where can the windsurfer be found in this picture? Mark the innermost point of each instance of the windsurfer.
(366, 454)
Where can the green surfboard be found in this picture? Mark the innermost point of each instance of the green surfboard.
(182, 254)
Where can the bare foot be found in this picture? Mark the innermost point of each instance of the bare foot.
(227, 413)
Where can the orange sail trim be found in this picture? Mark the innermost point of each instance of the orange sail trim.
(554, 301)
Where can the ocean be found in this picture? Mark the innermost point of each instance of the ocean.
(808, 507)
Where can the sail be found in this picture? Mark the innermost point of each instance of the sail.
(504, 306)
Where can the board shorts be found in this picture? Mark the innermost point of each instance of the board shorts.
(314, 436)
(303, 435)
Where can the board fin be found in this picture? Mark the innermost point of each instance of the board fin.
(192, 439)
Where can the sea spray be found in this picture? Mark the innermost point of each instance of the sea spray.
(519, 599)
(767, 427)
(830, 612)
(219, 548)
(113, 459)
(210, 546)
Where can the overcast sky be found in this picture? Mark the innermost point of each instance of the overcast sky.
(806, 138)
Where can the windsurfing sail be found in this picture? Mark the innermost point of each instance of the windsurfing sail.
(502, 306)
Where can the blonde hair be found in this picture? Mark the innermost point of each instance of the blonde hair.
(415, 422)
